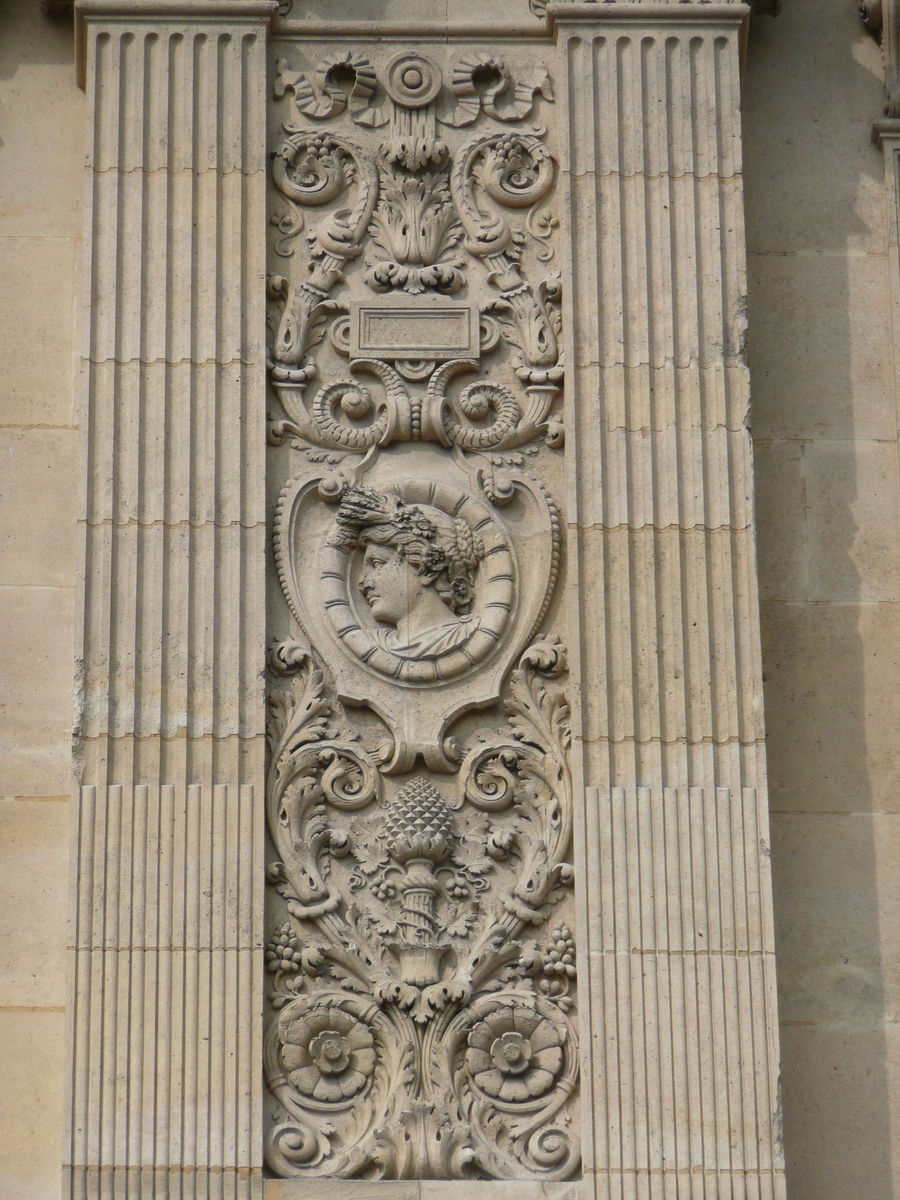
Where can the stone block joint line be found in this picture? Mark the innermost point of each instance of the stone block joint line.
(414, 440)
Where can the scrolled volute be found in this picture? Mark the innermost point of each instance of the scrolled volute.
(332, 1060)
(313, 169)
(515, 1066)
(313, 766)
(514, 169)
(322, 97)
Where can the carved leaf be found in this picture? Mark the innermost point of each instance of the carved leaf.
(369, 852)
(452, 876)
(471, 853)
(462, 926)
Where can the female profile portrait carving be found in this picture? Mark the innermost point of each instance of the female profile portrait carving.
(419, 571)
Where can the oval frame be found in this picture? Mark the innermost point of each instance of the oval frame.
(495, 592)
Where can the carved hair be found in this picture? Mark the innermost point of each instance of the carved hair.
(444, 551)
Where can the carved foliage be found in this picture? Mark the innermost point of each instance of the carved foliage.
(421, 959)
(416, 987)
(514, 171)
(421, 203)
(414, 233)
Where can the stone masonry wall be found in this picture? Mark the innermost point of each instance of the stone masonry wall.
(825, 428)
(41, 184)
(824, 410)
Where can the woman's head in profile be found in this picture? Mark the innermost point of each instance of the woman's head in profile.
(420, 563)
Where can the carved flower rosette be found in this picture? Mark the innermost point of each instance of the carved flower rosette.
(423, 977)
(422, 964)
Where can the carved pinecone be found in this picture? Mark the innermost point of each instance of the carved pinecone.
(419, 824)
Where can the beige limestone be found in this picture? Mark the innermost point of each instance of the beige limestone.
(42, 116)
(426, 1189)
(832, 357)
(661, 609)
(165, 934)
(852, 521)
(41, 165)
(840, 883)
(814, 84)
(32, 1043)
(37, 525)
(844, 1112)
(815, 186)
(164, 970)
(34, 846)
(36, 706)
(832, 709)
(780, 525)
(37, 320)
(820, 237)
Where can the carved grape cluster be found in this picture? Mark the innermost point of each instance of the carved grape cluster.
(283, 952)
(560, 958)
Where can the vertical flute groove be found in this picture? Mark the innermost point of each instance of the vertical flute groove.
(164, 978)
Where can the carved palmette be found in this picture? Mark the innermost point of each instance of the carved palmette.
(419, 795)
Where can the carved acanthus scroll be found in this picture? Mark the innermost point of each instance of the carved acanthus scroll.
(435, 962)
(419, 792)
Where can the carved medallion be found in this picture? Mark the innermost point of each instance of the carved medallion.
(423, 1019)
(415, 580)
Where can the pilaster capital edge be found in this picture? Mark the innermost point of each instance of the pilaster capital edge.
(262, 11)
(192, 10)
(886, 133)
(385, 30)
(882, 19)
(561, 13)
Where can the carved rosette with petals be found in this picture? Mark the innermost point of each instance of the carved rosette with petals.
(436, 992)
(514, 1054)
(422, 973)
(328, 1055)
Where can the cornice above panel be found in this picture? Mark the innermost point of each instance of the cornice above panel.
(882, 18)
(187, 11)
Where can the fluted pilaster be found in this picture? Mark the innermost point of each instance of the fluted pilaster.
(658, 303)
(173, 397)
(166, 927)
(677, 898)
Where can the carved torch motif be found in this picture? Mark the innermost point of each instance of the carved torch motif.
(419, 790)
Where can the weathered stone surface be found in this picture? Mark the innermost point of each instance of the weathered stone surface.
(42, 115)
(166, 931)
(34, 845)
(657, 517)
(813, 84)
(842, 1091)
(832, 709)
(852, 521)
(509, 472)
(33, 1045)
(36, 317)
(780, 520)
(418, 540)
(37, 525)
(832, 357)
(839, 953)
(36, 707)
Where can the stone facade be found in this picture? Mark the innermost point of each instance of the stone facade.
(421, 929)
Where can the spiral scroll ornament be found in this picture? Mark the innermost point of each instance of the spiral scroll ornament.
(421, 970)
(422, 1009)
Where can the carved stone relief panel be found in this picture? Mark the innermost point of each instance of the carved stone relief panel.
(422, 1015)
